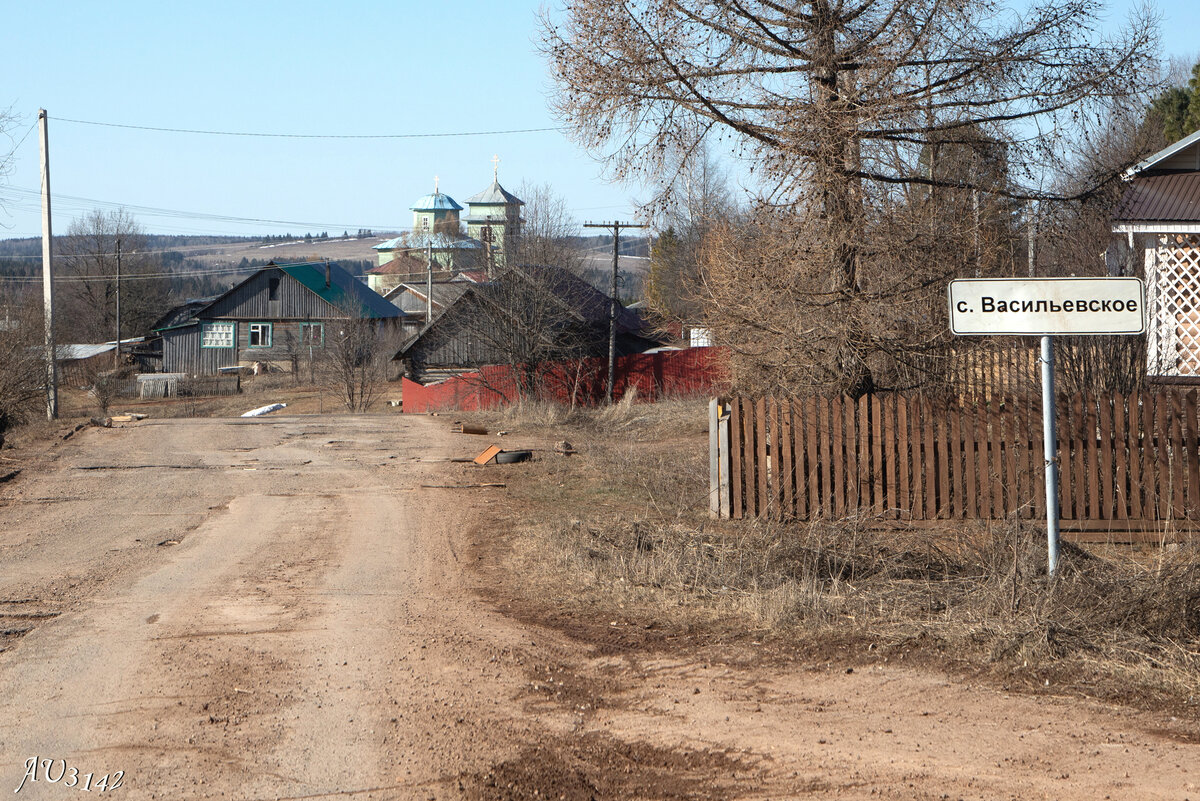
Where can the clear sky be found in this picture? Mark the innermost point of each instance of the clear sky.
(359, 67)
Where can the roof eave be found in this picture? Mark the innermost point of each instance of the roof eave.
(1161, 155)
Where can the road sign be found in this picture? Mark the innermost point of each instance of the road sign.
(1047, 306)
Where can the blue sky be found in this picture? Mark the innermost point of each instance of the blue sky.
(358, 67)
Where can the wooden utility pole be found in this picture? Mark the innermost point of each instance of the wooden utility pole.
(48, 274)
(117, 359)
(612, 305)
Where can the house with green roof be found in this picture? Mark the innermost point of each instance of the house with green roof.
(280, 316)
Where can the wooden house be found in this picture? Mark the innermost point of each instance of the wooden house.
(272, 317)
(1156, 227)
(487, 323)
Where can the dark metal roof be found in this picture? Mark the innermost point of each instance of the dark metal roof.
(495, 195)
(1169, 197)
(183, 314)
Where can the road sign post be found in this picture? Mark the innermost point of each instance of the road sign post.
(1046, 307)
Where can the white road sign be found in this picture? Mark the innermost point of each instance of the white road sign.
(1047, 306)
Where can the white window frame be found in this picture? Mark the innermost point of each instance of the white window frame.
(259, 328)
(222, 332)
(317, 341)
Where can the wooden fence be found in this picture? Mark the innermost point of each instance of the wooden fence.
(1127, 463)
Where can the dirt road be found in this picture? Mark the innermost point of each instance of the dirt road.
(275, 609)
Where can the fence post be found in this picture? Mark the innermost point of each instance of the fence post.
(714, 458)
(723, 465)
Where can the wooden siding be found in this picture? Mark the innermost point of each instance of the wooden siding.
(281, 348)
(250, 301)
(182, 353)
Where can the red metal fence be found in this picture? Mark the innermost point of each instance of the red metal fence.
(1127, 463)
(690, 372)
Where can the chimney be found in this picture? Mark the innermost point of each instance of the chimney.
(328, 274)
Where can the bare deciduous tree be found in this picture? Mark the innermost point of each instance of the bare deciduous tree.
(22, 369)
(354, 359)
(835, 102)
(547, 236)
(87, 282)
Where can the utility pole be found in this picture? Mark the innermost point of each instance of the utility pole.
(48, 274)
(117, 360)
(612, 305)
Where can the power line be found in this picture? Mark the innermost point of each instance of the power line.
(155, 211)
(125, 276)
(306, 136)
(17, 146)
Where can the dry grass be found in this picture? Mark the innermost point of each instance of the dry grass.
(625, 528)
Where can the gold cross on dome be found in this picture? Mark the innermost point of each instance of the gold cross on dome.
(495, 168)
(435, 184)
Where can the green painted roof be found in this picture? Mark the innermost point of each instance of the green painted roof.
(343, 290)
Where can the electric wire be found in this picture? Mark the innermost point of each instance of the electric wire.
(307, 136)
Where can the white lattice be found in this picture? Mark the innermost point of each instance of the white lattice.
(1173, 294)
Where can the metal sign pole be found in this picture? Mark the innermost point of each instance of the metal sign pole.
(1050, 452)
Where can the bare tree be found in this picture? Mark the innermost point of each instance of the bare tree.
(548, 234)
(88, 279)
(353, 361)
(696, 200)
(835, 102)
(8, 122)
(22, 369)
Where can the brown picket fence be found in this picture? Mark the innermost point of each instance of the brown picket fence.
(1127, 463)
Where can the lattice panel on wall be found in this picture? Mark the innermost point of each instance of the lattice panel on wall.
(1173, 289)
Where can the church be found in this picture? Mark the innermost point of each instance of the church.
(493, 222)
